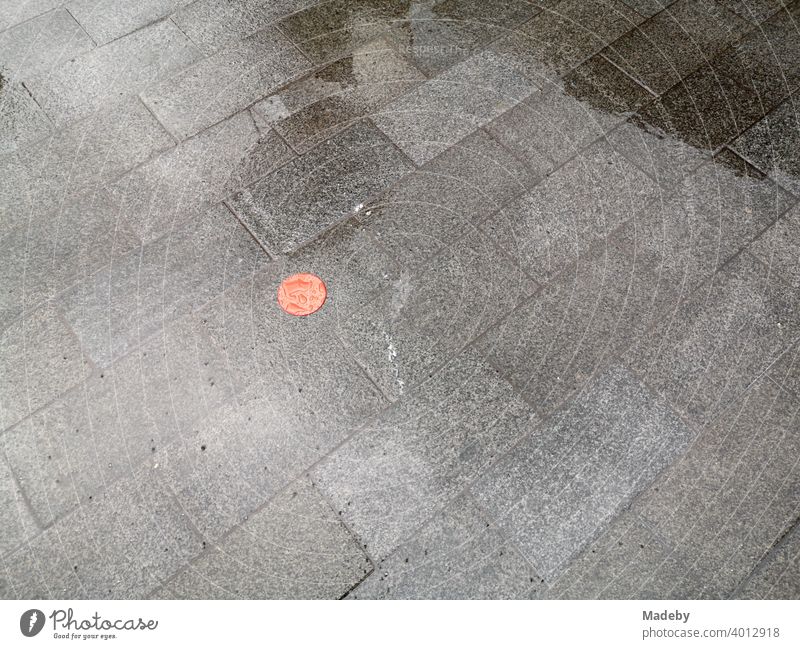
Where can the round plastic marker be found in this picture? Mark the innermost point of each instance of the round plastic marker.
(302, 294)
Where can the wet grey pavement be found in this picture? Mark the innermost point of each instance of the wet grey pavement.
(560, 355)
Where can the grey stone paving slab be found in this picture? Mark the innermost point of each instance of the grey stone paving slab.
(107, 20)
(355, 268)
(293, 548)
(562, 36)
(756, 11)
(21, 119)
(779, 248)
(572, 209)
(446, 109)
(327, 31)
(433, 37)
(458, 554)
(13, 13)
(41, 44)
(786, 371)
(440, 35)
(648, 7)
(67, 454)
(719, 340)
(49, 253)
(331, 99)
(778, 576)
(40, 359)
(426, 449)
(552, 493)
(119, 306)
(119, 547)
(620, 564)
(80, 159)
(675, 42)
(225, 82)
(685, 235)
(727, 501)
(18, 523)
(569, 115)
(196, 174)
(431, 208)
(661, 154)
(773, 144)
(766, 60)
(271, 352)
(125, 66)
(214, 24)
(552, 345)
(318, 189)
(427, 315)
(708, 108)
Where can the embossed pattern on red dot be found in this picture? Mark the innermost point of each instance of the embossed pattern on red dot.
(302, 294)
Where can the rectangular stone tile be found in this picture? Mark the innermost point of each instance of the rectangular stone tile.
(779, 248)
(568, 116)
(107, 20)
(772, 145)
(648, 7)
(295, 203)
(569, 477)
(719, 340)
(675, 42)
(778, 575)
(82, 158)
(446, 109)
(119, 547)
(706, 109)
(118, 307)
(277, 358)
(733, 494)
(431, 208)
(41, 44)
(572, 209)
(756, 11)
(355, 268)
(293, 548)
(332, 98)
(13, 13)
(457, 554)
(22, 119)
(123, 67)
(299, 394)
(620, 288)
(409, 461)
(627, 561)
(551, 346)
(191, 100)
(197, 174)
(693, 229)
(661, 154)
(15, 516)
(214, 24)
(67, 454)
(433, 37)
(327, 31)
(786, 370)
(562, 36)
(429, 314)
(40, 358)
(439, 36)
(767, 60)
(50, 252)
